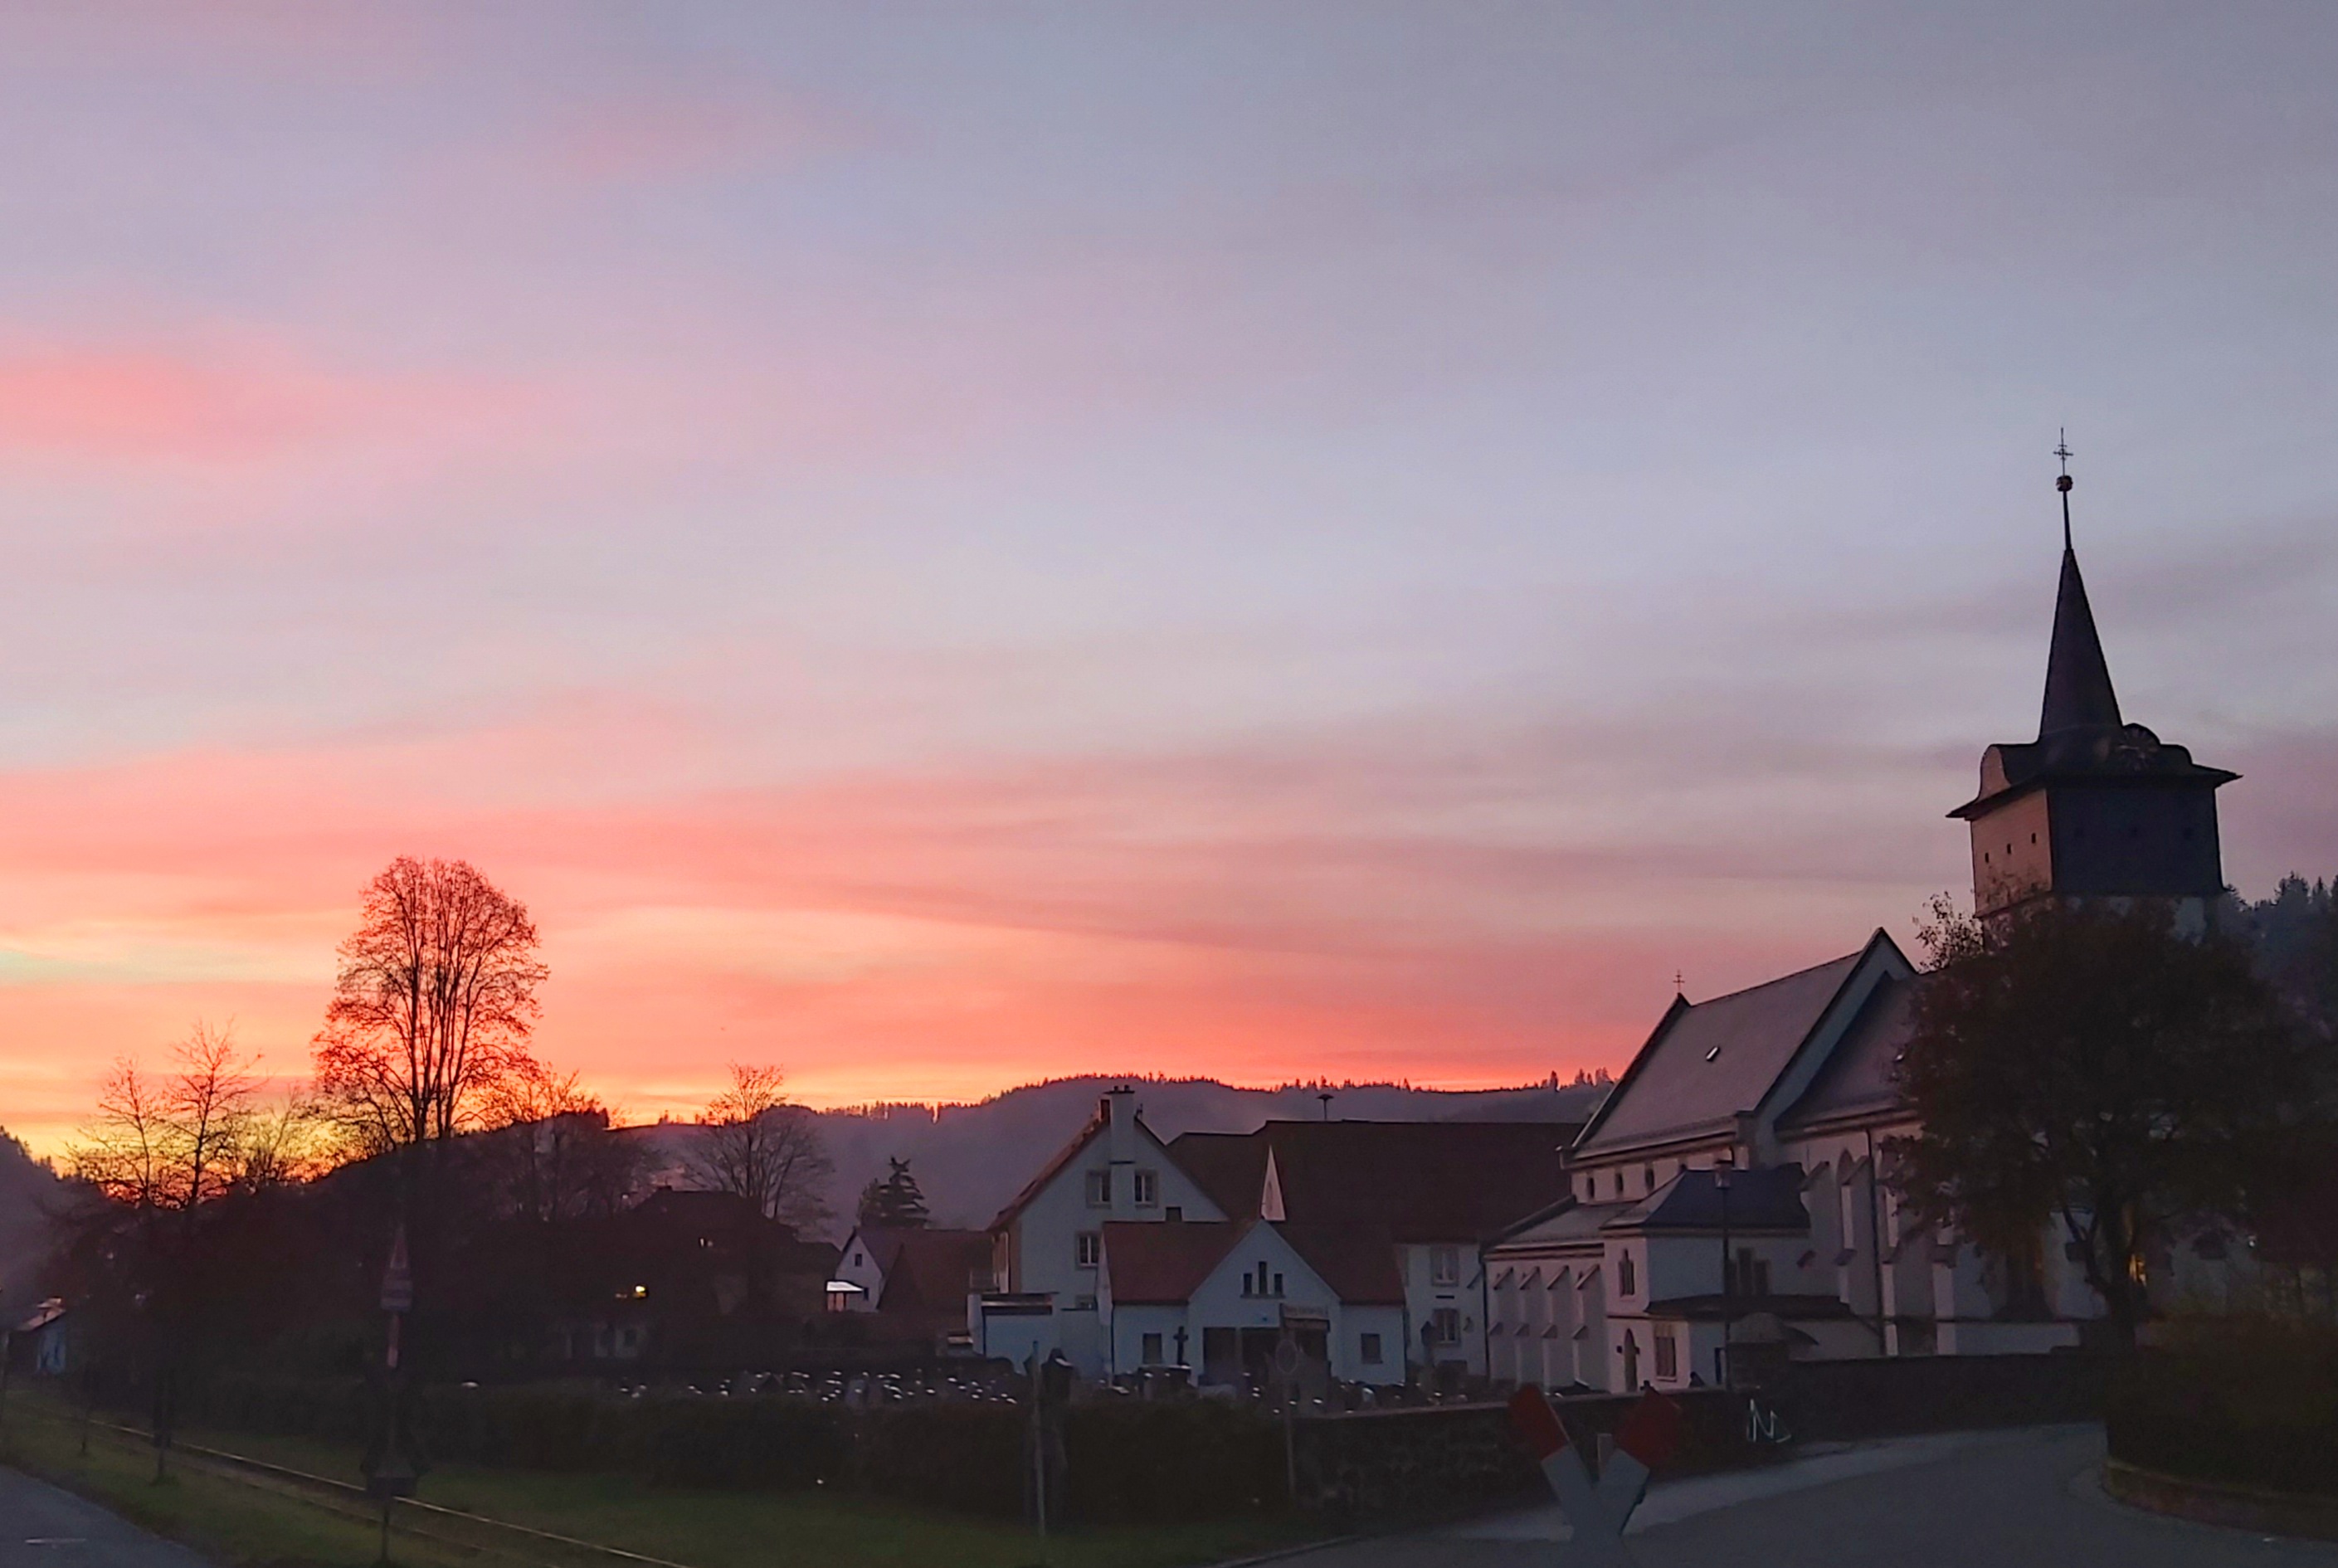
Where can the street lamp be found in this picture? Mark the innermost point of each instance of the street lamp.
(1725, 1167)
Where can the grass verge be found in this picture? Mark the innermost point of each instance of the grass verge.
(235, 1523)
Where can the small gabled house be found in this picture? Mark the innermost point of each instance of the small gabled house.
(911, 1283)
(1047, 1245)
(1435, 1191)
(1218, 1297)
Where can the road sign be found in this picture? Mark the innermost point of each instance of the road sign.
(398, 1278)
(1597, 1514)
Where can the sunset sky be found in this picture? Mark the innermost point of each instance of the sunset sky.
(944, 545)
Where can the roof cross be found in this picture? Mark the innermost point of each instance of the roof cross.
(2062, 450)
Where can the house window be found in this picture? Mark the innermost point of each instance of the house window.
(1619, 1184)
(1368, 1347)
(1444, 1265)
(1087, 1246)
(1590, 1188)
(1752, 1274)
(1648, 1180)
(1278, 1285)
(1627, 1283)
(1667, 1354)
(1148, 1188)
(858, 1261)
(1151, 1354)
(1445, 1325)
(1100, 1189)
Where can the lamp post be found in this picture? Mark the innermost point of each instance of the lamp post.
(1725, 1167)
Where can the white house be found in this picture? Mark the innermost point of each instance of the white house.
(1220, 1297)
(1436, 1190)
(1047, 1243)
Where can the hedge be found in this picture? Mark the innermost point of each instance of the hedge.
(2248, 1401)
(1126, 1460)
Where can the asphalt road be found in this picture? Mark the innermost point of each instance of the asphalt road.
(42, 1527)
(1955, 1500)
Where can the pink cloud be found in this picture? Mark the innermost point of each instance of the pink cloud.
(915, 933)
(224, 402)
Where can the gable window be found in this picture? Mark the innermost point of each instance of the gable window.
(1151, 1354)
(1100, 1189)
(1626, 1282)
(1087, 1246)
(1147, 1188)
(1368, 1348)
(1444, 1265)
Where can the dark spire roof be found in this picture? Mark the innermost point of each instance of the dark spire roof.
(2078, 694)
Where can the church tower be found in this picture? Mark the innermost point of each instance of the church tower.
(2095, 807)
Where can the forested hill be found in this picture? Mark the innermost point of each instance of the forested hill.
(27, 1188)
(971, 1159)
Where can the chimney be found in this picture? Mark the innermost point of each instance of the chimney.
(1120, 1148)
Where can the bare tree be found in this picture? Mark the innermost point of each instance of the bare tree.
(763, 1148)
(433, 1008)
(556, 1155)
(161, 1154)
(183, 1140)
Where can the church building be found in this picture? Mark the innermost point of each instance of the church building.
(1725, 1204)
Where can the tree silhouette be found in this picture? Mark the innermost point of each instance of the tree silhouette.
(894, 1201)
(2090, 1065)
(758, 1145)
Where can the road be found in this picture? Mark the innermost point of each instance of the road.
(42, 1527)
(1955, 1500)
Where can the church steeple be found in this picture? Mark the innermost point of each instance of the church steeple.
(2095, 807)
(2078, 694)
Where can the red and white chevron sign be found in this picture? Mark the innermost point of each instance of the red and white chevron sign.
(1597, 1514)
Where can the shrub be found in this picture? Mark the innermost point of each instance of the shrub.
(2248, 1400)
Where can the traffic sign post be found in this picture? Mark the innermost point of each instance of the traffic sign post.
(1598, 1512)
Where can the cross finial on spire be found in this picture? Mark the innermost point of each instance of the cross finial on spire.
(2062, 450)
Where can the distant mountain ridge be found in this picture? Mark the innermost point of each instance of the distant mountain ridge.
(971, 1159)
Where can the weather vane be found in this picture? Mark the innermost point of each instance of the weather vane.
(2062, 450)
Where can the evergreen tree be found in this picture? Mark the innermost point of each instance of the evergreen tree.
(894, 1201)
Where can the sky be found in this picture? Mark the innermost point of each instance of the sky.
(943, 545)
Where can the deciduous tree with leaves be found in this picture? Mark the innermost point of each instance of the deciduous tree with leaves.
(2092, 1068)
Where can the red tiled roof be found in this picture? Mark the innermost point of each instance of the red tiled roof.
(1163, 1261)
(1357, 1261)
(929, 1268)
(1417, 1180)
